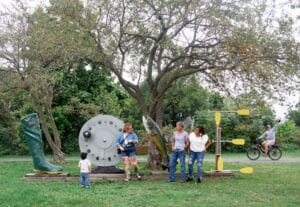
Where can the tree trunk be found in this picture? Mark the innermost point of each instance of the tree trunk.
(58, 155)
(159, 113)
(53, 126)
(154, 160)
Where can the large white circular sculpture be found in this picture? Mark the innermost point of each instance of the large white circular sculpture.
(98, 136)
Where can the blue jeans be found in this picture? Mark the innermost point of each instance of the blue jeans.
(129, 153)
(85, 180)
(198, 156)
(175, 155)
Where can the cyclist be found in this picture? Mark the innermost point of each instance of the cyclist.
(270, 135)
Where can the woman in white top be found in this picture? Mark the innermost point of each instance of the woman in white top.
(198, 143)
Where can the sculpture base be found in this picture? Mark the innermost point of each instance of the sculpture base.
(218, 173)
(38, 176)
(107, 170)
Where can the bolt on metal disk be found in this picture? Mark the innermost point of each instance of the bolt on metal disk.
(98, 136)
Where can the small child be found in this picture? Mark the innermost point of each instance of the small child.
(85, 170)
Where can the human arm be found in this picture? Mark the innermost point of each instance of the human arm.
(276, 125)
(172, 142)
(188, 145)
(90, 167)
(120, 142)
(261, 136)
(133, 138)
(207, 145)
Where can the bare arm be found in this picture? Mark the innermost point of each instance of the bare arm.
(261, 136)
(207, 145)
(187, 144)
(276, 125)
(172, 143)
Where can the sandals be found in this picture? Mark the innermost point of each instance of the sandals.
(137, 177)
(127, 179)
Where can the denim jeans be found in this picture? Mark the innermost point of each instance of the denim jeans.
(198, 156)
(85, 180)
(175, 155)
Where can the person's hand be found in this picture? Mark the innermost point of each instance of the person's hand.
(121, 148)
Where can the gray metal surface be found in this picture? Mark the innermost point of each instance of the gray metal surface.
(98, 136)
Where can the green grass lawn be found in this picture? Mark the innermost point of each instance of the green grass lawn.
(272, 184)
(286, 154)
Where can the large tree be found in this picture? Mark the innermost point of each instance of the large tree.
(31, 61)
(231, 45)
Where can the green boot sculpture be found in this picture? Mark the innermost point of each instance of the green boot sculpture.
(31, 128)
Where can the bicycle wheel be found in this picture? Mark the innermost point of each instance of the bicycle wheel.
(253, 153)
(274, 153)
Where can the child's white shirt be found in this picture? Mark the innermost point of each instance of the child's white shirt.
(84, 165)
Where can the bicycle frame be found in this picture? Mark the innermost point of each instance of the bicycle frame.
(260, 147)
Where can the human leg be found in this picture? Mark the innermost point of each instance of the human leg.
(200, 157)
(82, 181)
(182, 165)
(133, 162)
(126, 168)
(265, 146)
(86, 180)
(173, 160)
(191, 164)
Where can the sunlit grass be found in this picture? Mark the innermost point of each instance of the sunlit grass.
(272, 184)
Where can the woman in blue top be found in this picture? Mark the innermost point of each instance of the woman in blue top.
(179, 144)
(126, 142)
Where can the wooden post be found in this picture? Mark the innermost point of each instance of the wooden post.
(219, 161)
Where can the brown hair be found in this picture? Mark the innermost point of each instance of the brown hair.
(180, 123)
(201, 129)
(126, 126)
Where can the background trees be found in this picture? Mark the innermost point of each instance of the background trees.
(152, 47)
(231, 46)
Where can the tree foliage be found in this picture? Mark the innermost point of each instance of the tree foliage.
(239, 47)
(231, 45)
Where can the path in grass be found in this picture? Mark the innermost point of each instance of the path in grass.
(209, 159)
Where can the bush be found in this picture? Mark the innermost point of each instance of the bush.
(289, 147)
(5, 140)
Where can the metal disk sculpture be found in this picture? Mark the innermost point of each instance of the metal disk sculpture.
(97, 137)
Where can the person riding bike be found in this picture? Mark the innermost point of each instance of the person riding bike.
(270, 135)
